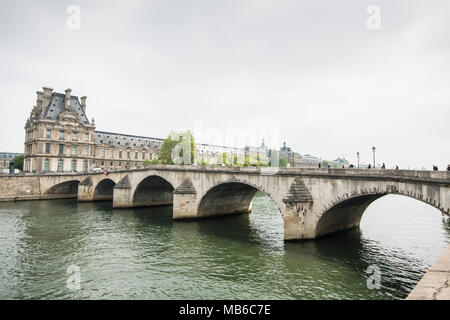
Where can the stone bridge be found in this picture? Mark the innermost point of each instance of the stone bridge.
(312, 202)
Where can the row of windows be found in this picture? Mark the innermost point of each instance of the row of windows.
(61, 149)
(62, 135)
(61, 165)
(136, 154)
(102, 152)
(74, 165)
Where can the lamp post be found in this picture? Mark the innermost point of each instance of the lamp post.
(357, 158)
(373, 150)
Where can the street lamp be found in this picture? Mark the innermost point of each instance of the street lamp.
(373, 150)
(357, 158)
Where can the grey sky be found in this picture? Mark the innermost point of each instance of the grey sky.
(312, 70)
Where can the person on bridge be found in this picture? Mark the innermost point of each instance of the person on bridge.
(448, 167)
(435, 168)
(383, 166)
(396, 167)
(369, 166)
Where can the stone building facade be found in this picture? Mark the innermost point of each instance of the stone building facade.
(60, 138)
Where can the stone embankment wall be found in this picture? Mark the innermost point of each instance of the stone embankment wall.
(19, 186)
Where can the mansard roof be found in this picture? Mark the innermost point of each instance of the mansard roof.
(126, 140)
(56, 107)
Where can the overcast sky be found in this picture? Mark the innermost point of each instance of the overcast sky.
(310, 70)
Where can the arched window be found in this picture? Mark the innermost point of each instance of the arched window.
(60, 165)
(46, 165)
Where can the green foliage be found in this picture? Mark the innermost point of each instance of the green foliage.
(151, 162)
(325, 164)
(283, 162)
(165, 153)
(235, 159)
(18, 162)
(224, 158)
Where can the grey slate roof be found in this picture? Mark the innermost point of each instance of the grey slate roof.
(126, 140)
(56, 107)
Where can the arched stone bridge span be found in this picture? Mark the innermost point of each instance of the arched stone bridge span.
(312, 202)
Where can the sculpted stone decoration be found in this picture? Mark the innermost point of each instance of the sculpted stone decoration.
(186, 187)
(298, 193)
(69, 116)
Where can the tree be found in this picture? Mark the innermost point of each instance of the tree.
(224, 158)
(18, 162)
(172, 141)
(283, 162)
(151, 162)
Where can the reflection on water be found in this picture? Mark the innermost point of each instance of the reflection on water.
(143, 254)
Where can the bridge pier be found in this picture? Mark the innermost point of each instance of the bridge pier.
(122, 194)
(298, 224)
(185, 201)
(86, 190)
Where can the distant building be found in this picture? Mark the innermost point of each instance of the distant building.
(293, 158)
(310, 161)
(5, 159)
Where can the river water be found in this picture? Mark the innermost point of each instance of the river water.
(143, 254)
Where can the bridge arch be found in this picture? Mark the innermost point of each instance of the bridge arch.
(346, 211)
(153, 190)
(229, 197)
(104, 190)
(69, 188)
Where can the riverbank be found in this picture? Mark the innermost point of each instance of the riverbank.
(435, 283)
(38, 197)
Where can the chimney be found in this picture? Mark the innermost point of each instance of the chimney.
(83, 103)
(47, 92)
(67, 100)
(39, 100)
(46, 96)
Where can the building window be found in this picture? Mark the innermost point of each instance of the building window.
(150, 155)
(128, 155)
(135, 155)
(102, 152)
(143, 155)
(47, 148)
(60, 165)
(74, 150)
(61, 135)
(74, 136)
(86, 150)
(46, 165)
(61, 149)
(85, 165)
(74, 165)
(102, 163)
(86, 137)
(120, 154)
(49, 134)
(111, 154)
